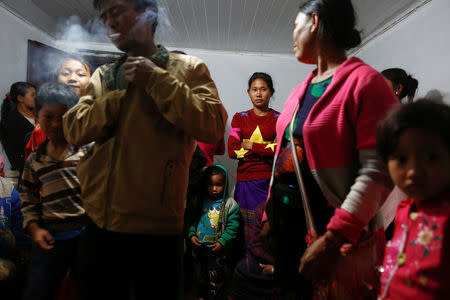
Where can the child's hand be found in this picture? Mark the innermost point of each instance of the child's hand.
(41, 237)
(195, 241)
(217, 247)
(267, 269)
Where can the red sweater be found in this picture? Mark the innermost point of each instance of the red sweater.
(254, 164)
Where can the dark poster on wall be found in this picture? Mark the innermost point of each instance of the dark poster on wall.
(43, 61)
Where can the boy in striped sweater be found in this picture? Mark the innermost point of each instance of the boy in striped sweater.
(51, 196)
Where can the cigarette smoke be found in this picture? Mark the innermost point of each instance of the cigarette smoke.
(73, 30)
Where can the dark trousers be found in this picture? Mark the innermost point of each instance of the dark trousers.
(210, 269)
(124, 266)
(48, 268)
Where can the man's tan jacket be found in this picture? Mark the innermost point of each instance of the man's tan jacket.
(136, 177)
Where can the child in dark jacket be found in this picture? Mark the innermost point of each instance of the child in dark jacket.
(213, 230)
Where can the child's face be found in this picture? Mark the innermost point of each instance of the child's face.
(74, 74)
(420, 165)
(50, 120)
(216, 184)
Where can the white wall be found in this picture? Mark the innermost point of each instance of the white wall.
(14, 34)
(420, 44)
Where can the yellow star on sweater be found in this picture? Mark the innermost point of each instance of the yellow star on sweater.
(271, 146)
(240, 153)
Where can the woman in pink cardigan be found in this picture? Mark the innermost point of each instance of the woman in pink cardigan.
(333, 184)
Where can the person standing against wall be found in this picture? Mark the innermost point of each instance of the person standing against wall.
(144, 113)
(251, 142)
(17, 122)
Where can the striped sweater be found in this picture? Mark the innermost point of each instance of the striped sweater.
(50, 190)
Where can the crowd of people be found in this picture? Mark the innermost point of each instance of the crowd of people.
(113, 192)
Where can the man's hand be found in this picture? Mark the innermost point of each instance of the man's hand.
(217, 247)
(138, 70)
(247, 145)
(41, 237)
(195, 241)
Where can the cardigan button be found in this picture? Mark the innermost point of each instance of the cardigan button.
(401, 259)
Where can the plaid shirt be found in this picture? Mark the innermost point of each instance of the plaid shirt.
(50, 190)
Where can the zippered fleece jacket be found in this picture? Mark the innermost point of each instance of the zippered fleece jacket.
(339, 138)
(135, 179)
(229, 223)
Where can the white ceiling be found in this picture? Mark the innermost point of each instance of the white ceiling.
(229, 25)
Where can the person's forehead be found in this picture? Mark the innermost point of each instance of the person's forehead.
(73, 64)
(109, 4)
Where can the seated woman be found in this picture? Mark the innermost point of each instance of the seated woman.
(17, 122)
(402, 84)
(74, 72)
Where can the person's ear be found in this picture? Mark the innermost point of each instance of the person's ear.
(399, 89)
(314, 23)
(20, 98)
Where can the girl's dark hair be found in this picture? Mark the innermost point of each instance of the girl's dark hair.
(56, 93)
(423, 114)
(264, 76)
(336, 21)
(399, 76)
(67, 57)
(138, 5)
(10, 102)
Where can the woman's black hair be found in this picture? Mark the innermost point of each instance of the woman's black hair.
(422, 114)
(336, 21)
(67, 57)
(399, 76)
(10, 102)
(56, 93)
(263, 76)
(138, 5)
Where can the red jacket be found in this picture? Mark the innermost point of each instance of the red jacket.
(417, 261)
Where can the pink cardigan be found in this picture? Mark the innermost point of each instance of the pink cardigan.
(339, 136)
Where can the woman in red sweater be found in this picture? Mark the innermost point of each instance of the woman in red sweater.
(252, 142)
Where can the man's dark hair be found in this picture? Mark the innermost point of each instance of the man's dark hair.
(423, 114)
(55, 93)
(138, 5)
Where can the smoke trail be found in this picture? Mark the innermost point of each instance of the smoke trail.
(73, 30)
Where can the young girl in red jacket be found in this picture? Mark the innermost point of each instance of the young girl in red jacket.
(416, 147)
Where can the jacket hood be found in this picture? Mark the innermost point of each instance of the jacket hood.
(225, 189)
